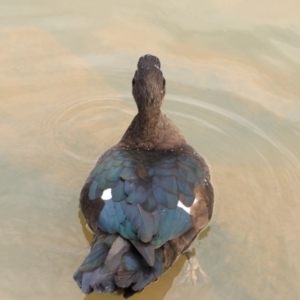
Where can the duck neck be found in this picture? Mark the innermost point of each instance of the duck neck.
(143, 132)
(147, 120)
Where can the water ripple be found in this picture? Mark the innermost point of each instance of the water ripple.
(256, 176)
(290, 156)
(77, 132)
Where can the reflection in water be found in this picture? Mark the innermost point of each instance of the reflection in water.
(232, 76)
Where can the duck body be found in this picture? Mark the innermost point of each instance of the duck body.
(146, 199)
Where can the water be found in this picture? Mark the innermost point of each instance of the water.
(232, 72)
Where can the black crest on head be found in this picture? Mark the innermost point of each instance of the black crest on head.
(148, 61)
(148, 83)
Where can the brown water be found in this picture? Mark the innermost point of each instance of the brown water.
(233, 73)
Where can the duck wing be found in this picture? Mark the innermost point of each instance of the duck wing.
(147, 196)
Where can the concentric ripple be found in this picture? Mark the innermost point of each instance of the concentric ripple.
(256, 176)
(78, 132)
(255, 173)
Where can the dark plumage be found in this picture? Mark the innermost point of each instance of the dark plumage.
(147, 198)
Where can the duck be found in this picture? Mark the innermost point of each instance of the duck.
(147, 198)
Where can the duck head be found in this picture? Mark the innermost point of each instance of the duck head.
(148, 84)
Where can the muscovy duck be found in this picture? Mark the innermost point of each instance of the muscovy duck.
(146, 199)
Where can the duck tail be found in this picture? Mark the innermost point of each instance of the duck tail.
(114, 265)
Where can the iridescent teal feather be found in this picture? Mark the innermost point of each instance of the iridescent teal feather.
(173, 223)
(97, 254)
(150, 205)
(138, 196)
(172, 179)
(118, 191)
(94, 191)
(107, 218)
(113, 174)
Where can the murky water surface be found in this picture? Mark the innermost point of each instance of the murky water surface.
(232, 71)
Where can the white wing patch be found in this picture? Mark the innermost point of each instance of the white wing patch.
(106, 195)
(187, 209)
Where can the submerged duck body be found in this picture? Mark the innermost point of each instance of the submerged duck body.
(147, 198)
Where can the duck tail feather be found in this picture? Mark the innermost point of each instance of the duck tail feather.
(114, 264)
(146, 250)
(115, 254)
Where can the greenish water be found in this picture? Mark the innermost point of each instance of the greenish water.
(232, 72)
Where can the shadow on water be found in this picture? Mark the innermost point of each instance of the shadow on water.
(84, 226)
(204, 233)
